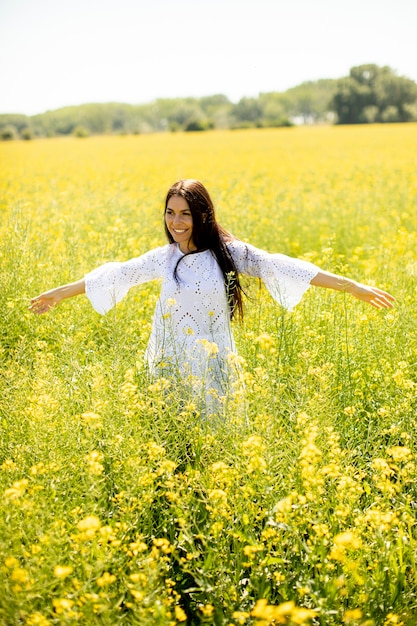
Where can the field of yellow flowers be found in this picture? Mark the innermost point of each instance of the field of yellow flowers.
(119, 505)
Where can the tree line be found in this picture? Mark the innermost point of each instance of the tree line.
(369, 94)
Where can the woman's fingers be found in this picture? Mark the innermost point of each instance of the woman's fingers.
(375, 297)
(381, 299)
(40, 304)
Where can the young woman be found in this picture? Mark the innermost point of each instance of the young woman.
(200, 267)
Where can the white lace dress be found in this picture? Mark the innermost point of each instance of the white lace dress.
(191, 333)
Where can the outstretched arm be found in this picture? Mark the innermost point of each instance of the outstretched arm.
(46, 301)
(373, 296)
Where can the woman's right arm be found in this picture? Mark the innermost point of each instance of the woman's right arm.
(46, 301)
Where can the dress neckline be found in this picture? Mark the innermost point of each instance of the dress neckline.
(191, 253)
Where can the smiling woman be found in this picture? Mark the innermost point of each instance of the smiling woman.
(191, 336)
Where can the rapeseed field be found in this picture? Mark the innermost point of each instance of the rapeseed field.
(119, 504)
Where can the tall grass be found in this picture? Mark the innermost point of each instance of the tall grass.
(119, 504)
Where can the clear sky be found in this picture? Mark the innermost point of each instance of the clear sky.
(55, 53)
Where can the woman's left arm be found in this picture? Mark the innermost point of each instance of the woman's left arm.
(373, 296)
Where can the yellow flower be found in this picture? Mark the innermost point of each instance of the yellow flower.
(250, 551)
(93, 460)
(400, 453)
(206, 609)
(61, 605)
(351, 615)
(265, 342)
(348, 540)
(393, 620)
(342, 543)
(62, 571)
(17, 489)
(272, 614)
(211, 348)
(137, 547)
(8, 465)
(300, 615)
(91, 522)
(139, 577)
(180, 615)
(253, 445)
(106, 579)
(163, 545)
(37, 619)
(240, 616)
(257, 464)
(88, 527)
(90, 417)
(20, 575)
(138, 595)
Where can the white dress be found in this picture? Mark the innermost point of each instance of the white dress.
(191, 334)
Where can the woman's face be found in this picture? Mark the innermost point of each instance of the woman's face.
(179, 222)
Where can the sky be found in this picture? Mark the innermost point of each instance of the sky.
(56, 53)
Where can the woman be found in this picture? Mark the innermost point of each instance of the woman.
(200, 268)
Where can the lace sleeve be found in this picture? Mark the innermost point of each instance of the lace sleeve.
(286, 278)
(109, 283)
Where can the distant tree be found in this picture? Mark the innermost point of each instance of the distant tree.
(17, 120)
(279, 122)
(374, 94)
(210, 104)
(248, 110)
(396, 91)
(274, 106)
(27, 133)
(369, 94)
(81, 132)
(311, 101)
(8, 133)
(198, 125)
(217, 109)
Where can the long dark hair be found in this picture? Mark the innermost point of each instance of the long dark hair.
(208, 234)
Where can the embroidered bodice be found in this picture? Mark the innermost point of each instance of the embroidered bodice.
(191, 324)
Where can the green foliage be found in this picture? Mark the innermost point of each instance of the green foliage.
(80, 131)
(374, 94)
(369, 94)
(8, 132)
(17, 120)
(311, 101)
(198, 125)
(248, 110)
(27, 133)
(307, 103)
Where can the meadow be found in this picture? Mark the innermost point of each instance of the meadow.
(119, 504)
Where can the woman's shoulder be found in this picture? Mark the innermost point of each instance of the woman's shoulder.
(231, 240)
(233, 244)
(160, 251)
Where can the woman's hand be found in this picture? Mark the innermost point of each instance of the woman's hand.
(45, 301)
(372, 295)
